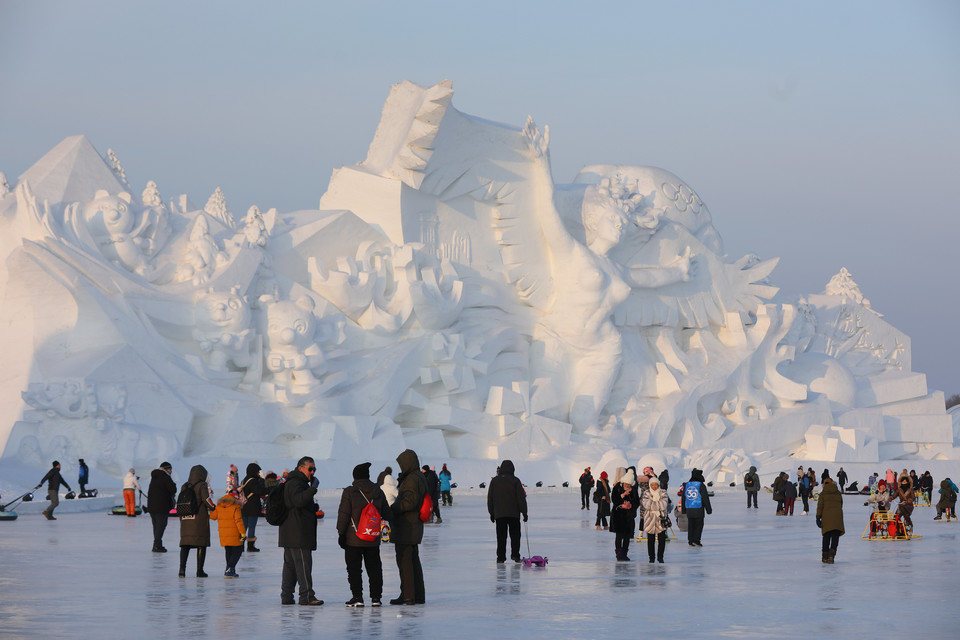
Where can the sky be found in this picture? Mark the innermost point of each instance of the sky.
(823, 133)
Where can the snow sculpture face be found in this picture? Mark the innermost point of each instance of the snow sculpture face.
(222, 312)
(110, 215)
(604, 218)
(291, 352)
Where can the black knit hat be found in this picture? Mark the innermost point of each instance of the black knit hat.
(166, 465)
(362, 471)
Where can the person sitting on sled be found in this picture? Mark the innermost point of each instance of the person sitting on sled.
(880, 498)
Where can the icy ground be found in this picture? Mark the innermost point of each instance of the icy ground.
(758, 576)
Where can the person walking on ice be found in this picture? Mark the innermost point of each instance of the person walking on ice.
(53, 480)
(830, 519)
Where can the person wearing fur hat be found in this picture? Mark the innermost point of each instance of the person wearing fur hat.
(357, 551)
(602, 497)
(654, 510)
(253, 490)
(695, 503)
(830, 519)
(232, 532)
(623, 520)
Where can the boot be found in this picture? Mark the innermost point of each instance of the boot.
(832, 554)
(201, 556)
(250, 546)
(620, 554)
(184, 552)
(826, 557)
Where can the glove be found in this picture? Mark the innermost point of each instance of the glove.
(243, 538)
(819, 521)
(342, 540)
(524, 517)
(37, 487)
(492, 519)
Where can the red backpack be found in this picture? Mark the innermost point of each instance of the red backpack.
(426, 509)
(370, 521)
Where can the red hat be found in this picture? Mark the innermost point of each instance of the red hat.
(603, 475)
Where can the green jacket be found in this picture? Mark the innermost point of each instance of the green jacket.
(830, 508)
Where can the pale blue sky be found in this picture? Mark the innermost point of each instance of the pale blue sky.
(826, 133)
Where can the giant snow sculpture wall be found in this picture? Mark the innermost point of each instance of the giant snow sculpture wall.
(445, 296)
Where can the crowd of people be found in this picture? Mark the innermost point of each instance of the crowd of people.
(395, 510)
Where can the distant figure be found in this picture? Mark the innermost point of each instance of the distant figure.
(387, 471)
(948, 499)
(298, 534)
(84, 477)
(807, 482)
(602, 498)
(751, 483)
(195, 529)
(926, 485)
(824, 475)
(233, 480)
(586, 483)
(664, 478)
(389, 488)
(654, 516)
(789, 497)
(879, 498)
(781, 480)
(906, 496)
(252, 490)
(231, 529)
(433, 488)
(841, 479)
(358, 551)
(53, 480)
(506, 504)
(445, 477)
(830, 519)
(406, 532)
(623, 520)
(695, 503)
(131, 484)
(161, 498)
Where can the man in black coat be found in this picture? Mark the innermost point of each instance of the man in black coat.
(161, 498)
(586, 483)
(356, 551)
(507, 502)
(406, 532)
(695, 503)
(298, 534)
(53, 480)
(253, 489)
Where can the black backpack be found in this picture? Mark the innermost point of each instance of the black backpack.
(187, 505)
(276, 507)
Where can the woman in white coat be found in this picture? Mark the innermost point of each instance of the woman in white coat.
(654, 509)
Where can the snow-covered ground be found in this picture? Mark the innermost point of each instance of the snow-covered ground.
(757, 576)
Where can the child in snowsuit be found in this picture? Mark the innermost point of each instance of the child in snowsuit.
(232, 532)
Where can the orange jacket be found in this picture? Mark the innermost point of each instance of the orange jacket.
(229, 521)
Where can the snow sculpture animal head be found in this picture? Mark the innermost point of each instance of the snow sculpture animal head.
(291, 350)
(124, 234)
(222, 327)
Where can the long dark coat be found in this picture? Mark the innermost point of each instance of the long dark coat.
(299, 529)
(195, 530)
(830, 508)
(623, 519)
(162, 492)
(603, 497)
(407, 528)
(253, 490)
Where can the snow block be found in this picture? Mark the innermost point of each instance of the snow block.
(918, 428)
(840, 444)
(891, 387)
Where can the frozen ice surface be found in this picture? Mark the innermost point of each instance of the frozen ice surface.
(757, 576)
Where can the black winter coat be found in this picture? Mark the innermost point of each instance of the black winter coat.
(624, 517)
(299, 529)
(602, 498)
(506, 497)
(162, 492)
(195, 530)
(352, 502)
(253, 490)
(407, 528)
(55, 479)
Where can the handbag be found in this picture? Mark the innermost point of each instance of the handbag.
(665, 522)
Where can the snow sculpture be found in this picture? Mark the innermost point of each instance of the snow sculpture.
(448, 296)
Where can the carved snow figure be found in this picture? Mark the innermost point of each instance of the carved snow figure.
(254, 229)
(217, 207)
(580, 340)
(291, 352)
(222, 328)
(151, 195)
(202, 255)
(125, 236)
